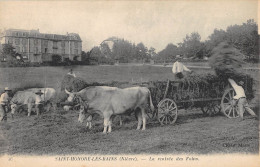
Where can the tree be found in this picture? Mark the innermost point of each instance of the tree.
(142, 52)
(151, 52)
(245, 38)
(85, 57)
(9, 55)
(105, 50)
(168, 54)
(215, 38)
(191, 45)
(56, 59)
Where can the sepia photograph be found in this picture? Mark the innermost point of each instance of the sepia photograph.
(129, 83)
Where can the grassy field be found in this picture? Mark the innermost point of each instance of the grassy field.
(20, 77)
(58, 132)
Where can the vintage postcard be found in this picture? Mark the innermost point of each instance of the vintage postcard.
(129, 83)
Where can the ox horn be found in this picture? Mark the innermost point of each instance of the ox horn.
(67, 91)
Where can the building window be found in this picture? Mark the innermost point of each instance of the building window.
(17, 41)
(45, 43)
(36, 50)
(55, 51)
(24, 41)
(17, 49)
(45, 50)
(63, 44)
(24, 49)
(55, 44)
(76, 51)
(24, 34)
(76, 44)
(35, 42)
(63, 51)
(10, 41)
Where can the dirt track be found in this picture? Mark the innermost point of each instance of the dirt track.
(60, 133)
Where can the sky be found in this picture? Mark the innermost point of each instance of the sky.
(155, 23)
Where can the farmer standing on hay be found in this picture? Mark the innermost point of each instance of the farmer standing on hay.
(72, 73)
(240, 98)
(4, 103)
(38, 102)
(179, 70)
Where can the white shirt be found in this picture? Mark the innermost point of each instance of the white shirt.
(72, 74)
(38, 99)
(4, 98)
(240, 92)
(179, 67)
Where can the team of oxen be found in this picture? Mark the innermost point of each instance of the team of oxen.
(103, 100)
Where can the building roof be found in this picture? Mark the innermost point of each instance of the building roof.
(37, 34)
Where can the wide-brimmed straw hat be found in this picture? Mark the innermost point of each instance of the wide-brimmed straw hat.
(7, 89)
(39, 92)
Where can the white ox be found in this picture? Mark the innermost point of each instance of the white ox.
(27, 97)
(108, 101)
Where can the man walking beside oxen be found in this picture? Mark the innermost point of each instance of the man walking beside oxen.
(38, 102)
(4, 104)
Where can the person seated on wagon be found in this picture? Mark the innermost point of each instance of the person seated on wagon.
(240, 97)
(72, 73)
(179, 70)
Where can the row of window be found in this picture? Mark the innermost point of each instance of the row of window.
(36, 41)
(36, 50)
(20, 34)
(25, 34)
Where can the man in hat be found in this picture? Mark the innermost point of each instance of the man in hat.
(4, 104)
(72, 73)
(240, 97)
(179, 70)
(38, 102)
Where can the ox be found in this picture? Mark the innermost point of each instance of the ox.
(27, 97)
(108, 101)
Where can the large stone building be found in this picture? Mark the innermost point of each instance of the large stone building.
(38, 47)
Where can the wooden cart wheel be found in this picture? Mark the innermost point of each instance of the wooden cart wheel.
(228, 104)
(211, 109)
(167, 111)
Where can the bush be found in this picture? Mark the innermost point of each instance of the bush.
(56, 59)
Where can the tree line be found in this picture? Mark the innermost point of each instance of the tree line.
(122, 51)
(243, 37)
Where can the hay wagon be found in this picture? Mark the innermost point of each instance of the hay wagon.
(210, 95)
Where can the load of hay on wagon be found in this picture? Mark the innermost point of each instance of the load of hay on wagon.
(227, 62)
